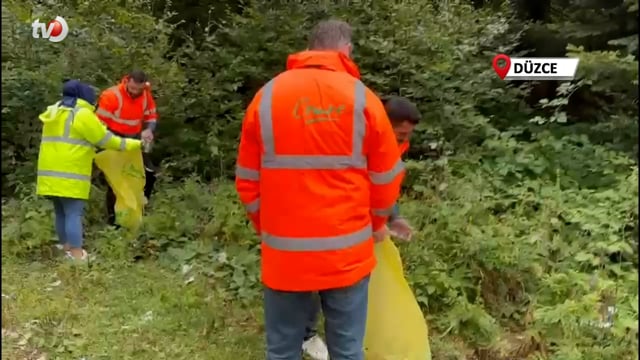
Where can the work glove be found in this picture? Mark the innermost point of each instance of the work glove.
(147, 135)
(400, 229)
(381, 234)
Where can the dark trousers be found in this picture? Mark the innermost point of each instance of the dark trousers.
(345, 316)
(311, 329)
(150, 180)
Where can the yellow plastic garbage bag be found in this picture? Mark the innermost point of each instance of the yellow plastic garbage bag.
(124, 171)
(396, 328)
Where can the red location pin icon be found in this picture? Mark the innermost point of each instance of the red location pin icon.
(501, 71)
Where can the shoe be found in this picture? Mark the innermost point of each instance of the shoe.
(315, 348)
(60, 247)
(84, 257)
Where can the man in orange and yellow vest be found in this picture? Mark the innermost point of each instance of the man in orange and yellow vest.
(129, 110)
(319, 172)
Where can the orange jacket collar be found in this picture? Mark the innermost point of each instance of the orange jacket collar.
(329, 60)
(404, 147)
(123, 86)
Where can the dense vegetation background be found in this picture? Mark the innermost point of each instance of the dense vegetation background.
(524, 194)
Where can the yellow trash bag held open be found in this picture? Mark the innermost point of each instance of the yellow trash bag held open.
(124, 171)
(396, 328)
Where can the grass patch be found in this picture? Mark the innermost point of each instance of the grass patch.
(119, 310)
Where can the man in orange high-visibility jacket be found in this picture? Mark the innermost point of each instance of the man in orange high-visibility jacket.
(318, 171)
(125, 109)
(404, 116)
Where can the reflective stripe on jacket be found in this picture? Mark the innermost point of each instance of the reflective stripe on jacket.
(124, 114)
(318, 170)
(67, 149)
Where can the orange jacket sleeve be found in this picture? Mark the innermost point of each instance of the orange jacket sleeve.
(107, 106)
(248, 163)
(150, 114)
(386, 169)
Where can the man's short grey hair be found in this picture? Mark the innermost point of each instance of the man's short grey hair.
(330, 35)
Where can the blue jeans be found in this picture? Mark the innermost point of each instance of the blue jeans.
(311, 329)
(312, 323)
(287, 314)
(68, 220)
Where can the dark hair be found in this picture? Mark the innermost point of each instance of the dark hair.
(138, 76)
(400, 109)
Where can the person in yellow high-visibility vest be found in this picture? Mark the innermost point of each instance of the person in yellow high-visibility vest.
(70, 132)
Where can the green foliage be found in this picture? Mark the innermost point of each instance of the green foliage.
(528, 252)
(526, 216)
(598, 23)
(489, 257)
(601, 103)
(610, 74)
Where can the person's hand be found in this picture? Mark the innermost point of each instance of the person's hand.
(400, 228)
(147, 135)
(381, 234)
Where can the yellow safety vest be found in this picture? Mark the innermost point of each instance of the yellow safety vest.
(69, 138)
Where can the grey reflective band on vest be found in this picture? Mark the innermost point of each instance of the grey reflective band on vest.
(253, 175)
(253, 206)
(386, 177)
(247, 174)
(66, 133)
(317, 243)
(66, 139)
(271, 160)
(116, 116)
(64, 175)
(148, 112)
(383, 212)
(105, 139)
(60, 139)
(68, 122)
